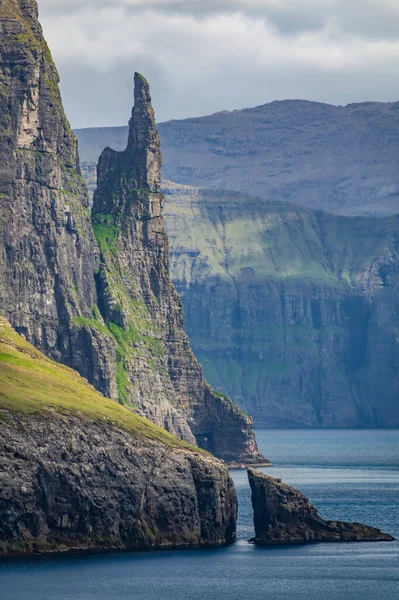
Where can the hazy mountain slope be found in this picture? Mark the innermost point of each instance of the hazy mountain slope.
(341, 159)
(293, 312)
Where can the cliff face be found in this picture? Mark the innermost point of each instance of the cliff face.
(105, 308)
(79, 471)
(293, 313)
(47, 252)
(283, 515)
(337, 158)
(157, 372)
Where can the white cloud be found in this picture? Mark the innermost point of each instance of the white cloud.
(202, 56)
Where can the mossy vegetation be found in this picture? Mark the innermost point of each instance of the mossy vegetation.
(95, 323)
(139, 337)
(31, 383)
(106, 233)
(26, 37)
(220, 395)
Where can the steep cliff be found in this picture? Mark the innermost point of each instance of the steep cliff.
(283, 515)
(79, 471)
(157, 372)
(47, 252)
(294, 313)
(337, 158)
(105, 308)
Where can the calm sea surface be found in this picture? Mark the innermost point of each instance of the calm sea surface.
(348, 474)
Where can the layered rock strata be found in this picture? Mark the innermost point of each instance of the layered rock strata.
(283, 515)
(140, 305)
(80, 472)
(47, 250)
(293, 313)
(106, 308)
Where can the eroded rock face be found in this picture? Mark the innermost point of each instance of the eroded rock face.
(69, 483)
(283, 515)
(293, 313)
(47, 251)
(112, 314)
(140, 305)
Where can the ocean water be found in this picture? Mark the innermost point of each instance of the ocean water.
(348, 474)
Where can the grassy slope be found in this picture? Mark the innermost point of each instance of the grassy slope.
(31, 383)
(242, 247)
(279, 241)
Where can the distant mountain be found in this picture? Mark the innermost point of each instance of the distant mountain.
(292, 312)
(341, 159)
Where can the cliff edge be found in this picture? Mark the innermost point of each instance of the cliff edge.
(95, 294)
(81, 472)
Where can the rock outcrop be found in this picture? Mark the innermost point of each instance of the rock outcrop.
(81, 472)
(106, 308)
(336, 158)
(47, 250)
(283, 515)
(140, 305)
(293, 313)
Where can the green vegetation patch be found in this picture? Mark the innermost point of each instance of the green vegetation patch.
(106, 233)
(96, 324)
(31, 383)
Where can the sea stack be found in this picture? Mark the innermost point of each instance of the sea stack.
(159, 375)
(283, 515)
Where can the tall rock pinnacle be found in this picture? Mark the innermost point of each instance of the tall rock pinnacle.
(143, 141)
(158, 374)
(108, 309)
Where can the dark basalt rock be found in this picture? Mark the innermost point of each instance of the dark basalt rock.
(47, 249)
(80, 472)
(68, 485)
(283, 515)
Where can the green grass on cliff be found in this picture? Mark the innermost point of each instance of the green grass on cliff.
(140, 338)
(234, 237)
(31, 383)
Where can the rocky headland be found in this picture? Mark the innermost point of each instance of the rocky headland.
(139, 304)
(80, 472)
(283, 515)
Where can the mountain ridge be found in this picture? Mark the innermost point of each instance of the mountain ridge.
(337, 158)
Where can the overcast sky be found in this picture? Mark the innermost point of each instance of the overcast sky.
(203, 56)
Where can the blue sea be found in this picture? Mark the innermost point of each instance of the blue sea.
(348, 474)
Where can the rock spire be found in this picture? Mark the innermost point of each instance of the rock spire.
(162, 378)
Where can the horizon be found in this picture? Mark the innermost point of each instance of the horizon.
(206, 57)
(235, 110)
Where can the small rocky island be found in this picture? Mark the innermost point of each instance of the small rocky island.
(283, 515)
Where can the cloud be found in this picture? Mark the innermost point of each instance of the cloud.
(201, 56)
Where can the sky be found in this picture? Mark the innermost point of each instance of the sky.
(205, 56)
